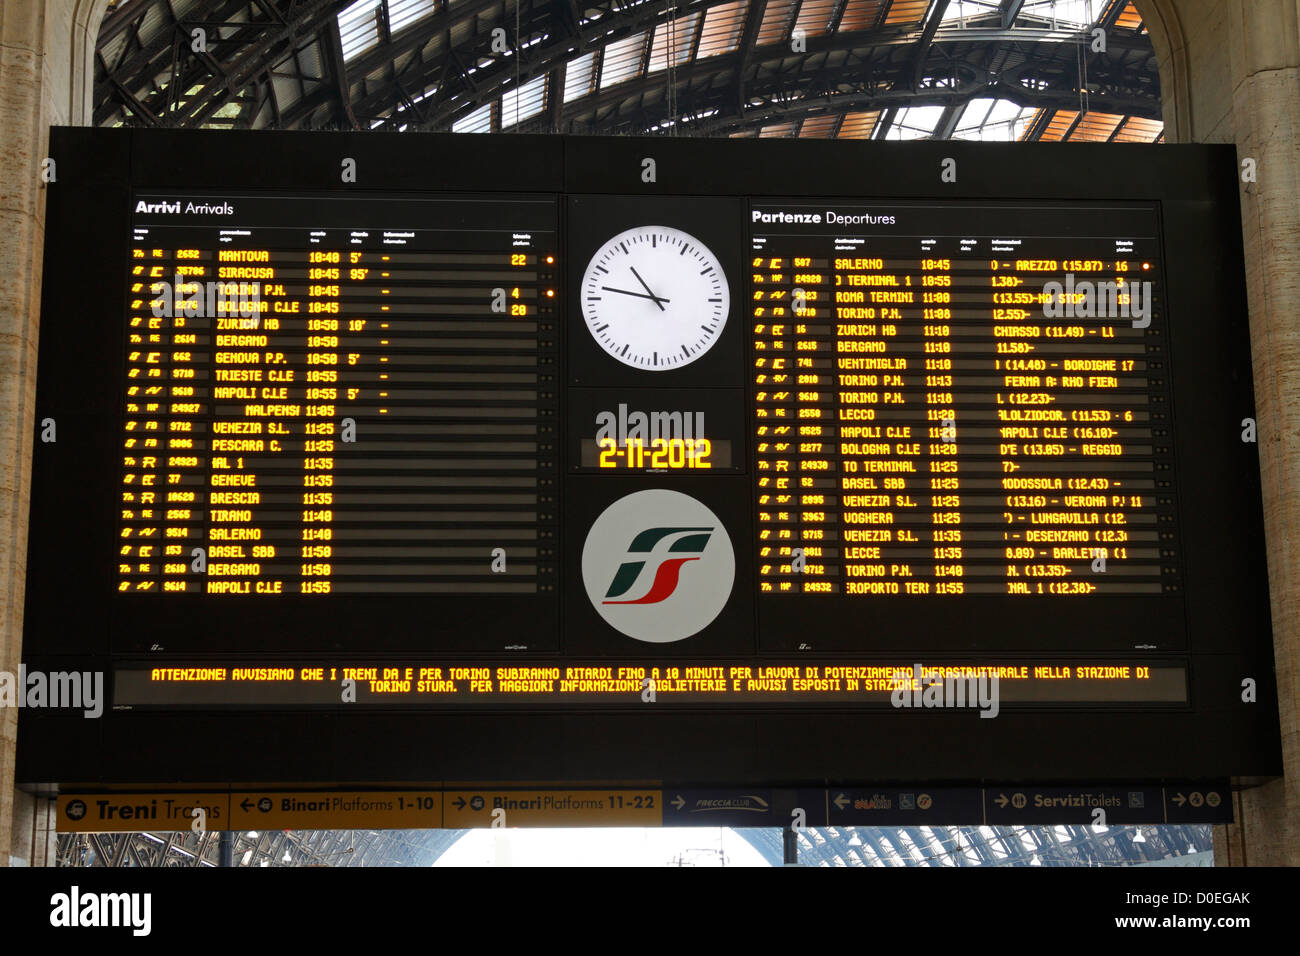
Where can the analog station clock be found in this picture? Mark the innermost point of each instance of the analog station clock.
(655, 298)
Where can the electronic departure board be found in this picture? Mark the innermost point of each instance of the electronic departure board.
(259, 349)
(516, 457)
(925, 428)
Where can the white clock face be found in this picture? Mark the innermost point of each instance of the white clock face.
(655, 298)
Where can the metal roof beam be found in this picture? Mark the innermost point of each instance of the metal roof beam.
(493, 80)
(261, 53)
(332, 46)
(387, 54)
(136, 107)
(948, 120)
(121, 18)
(937, 10)
(863, 86)
(149, 59)
(745, 45)
(252, 45)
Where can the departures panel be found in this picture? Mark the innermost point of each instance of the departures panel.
(958, 401)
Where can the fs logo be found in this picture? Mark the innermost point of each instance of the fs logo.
(690, 541)
(658, 566)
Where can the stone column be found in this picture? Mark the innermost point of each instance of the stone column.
(46, 49)
(1230, 72)
(34, 841)
(1264, 48)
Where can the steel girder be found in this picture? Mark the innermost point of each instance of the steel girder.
(443, 67)
(258, 848)
(818, 846)
(789, 88)
(242, 44)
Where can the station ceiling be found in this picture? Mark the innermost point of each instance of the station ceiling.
(847, 69)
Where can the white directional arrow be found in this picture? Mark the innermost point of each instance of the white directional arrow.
(678, 802)
(841, 801)
(1001, 800)
(1179, 799)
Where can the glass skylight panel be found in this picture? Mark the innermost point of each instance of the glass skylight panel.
(776, 21)
(1067, 13)
(915, 122)
(523, 103)
(964, 9)
(680, 35)
(359, 28)
(993, 120)
(858, 125)
(480, 121)
(577, 77)
(906, 11)
(1129, 18)
(402, 13)
(817, 127)
(814, 17)
(1095, 127)
(622, 60)
(860, 15)
(1139, 130)
(722, 26)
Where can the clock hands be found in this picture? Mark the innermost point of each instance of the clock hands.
(640, 295)
(658, 301)
(648, 294)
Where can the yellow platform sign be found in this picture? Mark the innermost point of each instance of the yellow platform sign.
(350, 810)
(552, 808)
(142, 812)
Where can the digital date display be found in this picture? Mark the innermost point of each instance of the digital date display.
(688, 431)
(656, 454)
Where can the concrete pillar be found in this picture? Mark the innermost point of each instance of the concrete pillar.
(46, 74)
(1230, 72)
(34, 840)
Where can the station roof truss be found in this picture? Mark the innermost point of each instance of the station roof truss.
(818, 846)
(254, 848)
(849, 69)
(1065, 845)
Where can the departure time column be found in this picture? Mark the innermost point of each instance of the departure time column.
(320, 403)
(940, 431)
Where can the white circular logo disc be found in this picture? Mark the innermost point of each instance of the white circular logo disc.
(658, 566)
